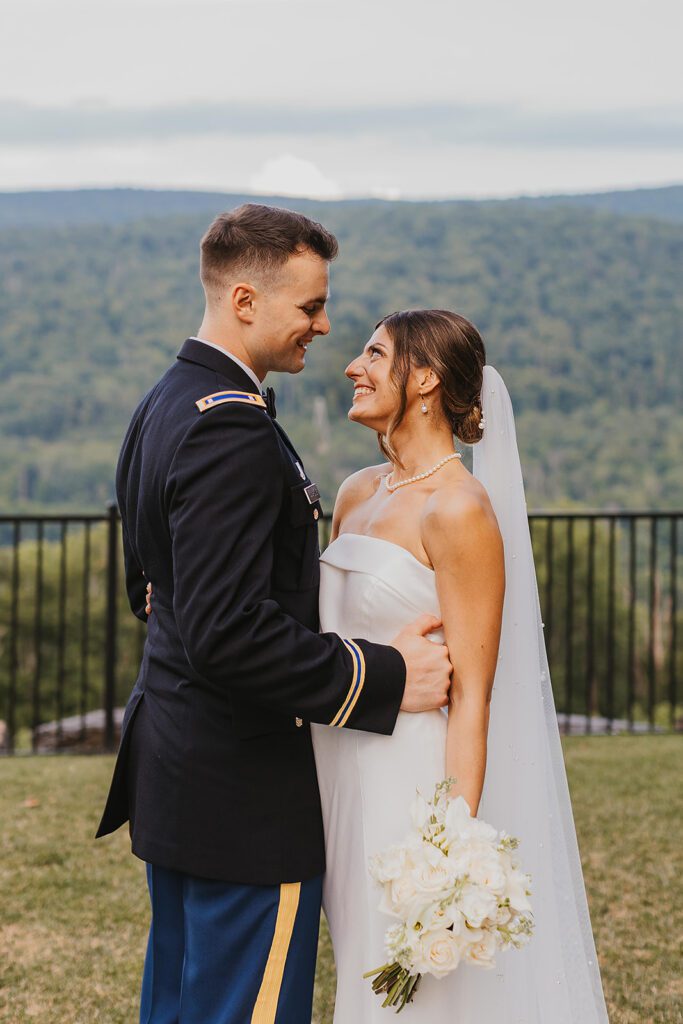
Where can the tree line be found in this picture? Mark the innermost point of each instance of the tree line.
(581, 311)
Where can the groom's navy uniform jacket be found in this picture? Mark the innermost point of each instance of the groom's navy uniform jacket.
(216, 770)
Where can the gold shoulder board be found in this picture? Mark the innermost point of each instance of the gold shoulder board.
(221, 397)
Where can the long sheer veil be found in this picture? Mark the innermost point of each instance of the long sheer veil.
(526, 791)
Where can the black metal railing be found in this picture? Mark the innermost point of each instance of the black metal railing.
(609, 587)
(63, 620)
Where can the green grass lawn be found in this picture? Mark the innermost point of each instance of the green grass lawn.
(73, 913)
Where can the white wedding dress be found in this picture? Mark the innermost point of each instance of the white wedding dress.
(371, 588)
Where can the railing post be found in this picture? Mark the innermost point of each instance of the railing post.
(14, 641)
(111, 624)
(674, 612)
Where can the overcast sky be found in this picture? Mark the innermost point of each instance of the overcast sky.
(339, 97)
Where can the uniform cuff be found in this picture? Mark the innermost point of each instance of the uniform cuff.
(376, 688)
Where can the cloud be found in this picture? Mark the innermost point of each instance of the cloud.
(466, 125)
(390, 192)
(288, 175)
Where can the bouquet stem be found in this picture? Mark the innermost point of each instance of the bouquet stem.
(399, 984)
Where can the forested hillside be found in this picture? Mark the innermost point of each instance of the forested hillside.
(118, 205)
(664, 203)
(581, 310)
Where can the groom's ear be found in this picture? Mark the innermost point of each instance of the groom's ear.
(243, 298)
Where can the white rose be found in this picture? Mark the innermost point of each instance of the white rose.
(434, 873)
(487, 870)
(482, 950)
(386, 866)
(466, 852)
(438, 953)
(460, 855)
(398, 896)
(477, 904)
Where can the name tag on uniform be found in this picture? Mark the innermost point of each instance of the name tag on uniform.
(312, 493)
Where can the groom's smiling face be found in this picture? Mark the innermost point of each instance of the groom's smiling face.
(290, 313)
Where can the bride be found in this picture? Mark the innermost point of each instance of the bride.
(416, 534)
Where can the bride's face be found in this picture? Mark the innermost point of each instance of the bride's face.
(375, 397)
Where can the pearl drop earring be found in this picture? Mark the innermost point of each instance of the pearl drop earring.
(423, 407)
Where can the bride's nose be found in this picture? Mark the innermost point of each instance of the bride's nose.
(354, 369)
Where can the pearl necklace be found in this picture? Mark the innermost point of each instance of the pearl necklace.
(421, 476)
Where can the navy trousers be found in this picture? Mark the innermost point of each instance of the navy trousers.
(222, 953)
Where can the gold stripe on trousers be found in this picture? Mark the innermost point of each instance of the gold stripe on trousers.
(265, 1007)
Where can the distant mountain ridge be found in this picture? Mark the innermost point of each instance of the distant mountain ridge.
(664, 203)
(581, 310)
(61, 208)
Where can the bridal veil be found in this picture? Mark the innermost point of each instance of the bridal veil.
(525, 791)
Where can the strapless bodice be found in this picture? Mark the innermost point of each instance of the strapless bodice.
(371, 588)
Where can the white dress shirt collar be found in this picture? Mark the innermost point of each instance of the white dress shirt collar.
(247, 369)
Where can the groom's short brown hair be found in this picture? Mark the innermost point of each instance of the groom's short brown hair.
(258, 239)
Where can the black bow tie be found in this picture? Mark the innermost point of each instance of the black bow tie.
(269, 396)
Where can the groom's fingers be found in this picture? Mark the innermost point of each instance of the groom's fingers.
(428, 667)
(422, 625)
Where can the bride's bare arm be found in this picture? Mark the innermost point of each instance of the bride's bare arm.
(461, 536)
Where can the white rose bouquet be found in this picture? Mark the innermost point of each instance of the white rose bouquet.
(457, 894)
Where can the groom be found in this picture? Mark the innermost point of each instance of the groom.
(215, 770)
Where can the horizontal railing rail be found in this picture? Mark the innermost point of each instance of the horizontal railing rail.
(609, 585)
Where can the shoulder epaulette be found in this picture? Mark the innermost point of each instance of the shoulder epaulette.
(221, 397)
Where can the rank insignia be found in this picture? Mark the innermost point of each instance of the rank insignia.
(312, 493)
(221, 397)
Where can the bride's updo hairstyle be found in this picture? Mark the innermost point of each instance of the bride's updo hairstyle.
(452, 347)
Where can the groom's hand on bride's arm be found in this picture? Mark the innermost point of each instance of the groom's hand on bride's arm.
(428, 667)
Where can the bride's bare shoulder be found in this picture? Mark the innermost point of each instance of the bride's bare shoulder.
(359, 487)
(355, 489)
(459, 510)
